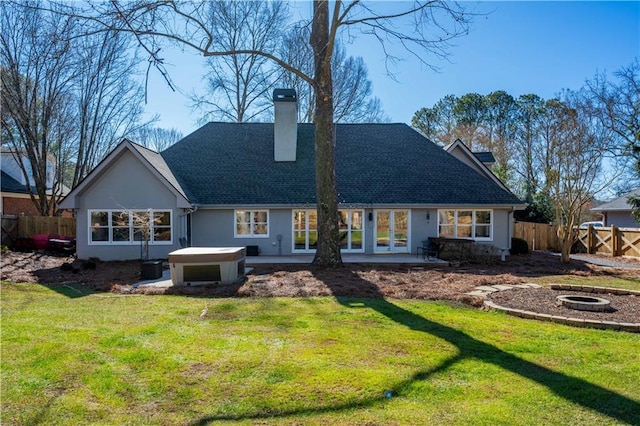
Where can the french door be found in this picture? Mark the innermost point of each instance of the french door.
(350, 223)
(392, 231)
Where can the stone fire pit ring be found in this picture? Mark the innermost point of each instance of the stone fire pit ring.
(584, 303)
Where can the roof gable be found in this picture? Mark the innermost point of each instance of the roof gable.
(477, 161)
(150, 159)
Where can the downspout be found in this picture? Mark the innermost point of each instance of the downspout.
(510, 227)
(193, 209)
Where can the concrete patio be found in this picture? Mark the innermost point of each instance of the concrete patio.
(406, 258)
(346, 258)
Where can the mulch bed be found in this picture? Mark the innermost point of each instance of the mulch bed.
(625, 309)
(418, 281)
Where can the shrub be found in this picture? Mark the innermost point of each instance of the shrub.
(519, 246)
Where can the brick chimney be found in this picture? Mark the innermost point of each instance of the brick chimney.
(285, 128)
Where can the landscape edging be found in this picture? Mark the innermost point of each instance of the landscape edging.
(575, 322)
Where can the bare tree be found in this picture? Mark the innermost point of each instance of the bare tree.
(38, 70)
(63, 95)
(296, 51)
(576, 147)
(156, 138)
(352, 90)
(109, 102)
(239, 86)
(426, 29)
(618, 106)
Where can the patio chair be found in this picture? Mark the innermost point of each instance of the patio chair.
(429, 250)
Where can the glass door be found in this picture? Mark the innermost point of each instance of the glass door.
(350, 223)
(305, 230)
(392, 231)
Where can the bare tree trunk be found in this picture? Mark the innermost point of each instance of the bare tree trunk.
(567, 239)
(328, 250)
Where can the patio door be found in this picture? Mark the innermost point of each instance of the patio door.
(392, 231)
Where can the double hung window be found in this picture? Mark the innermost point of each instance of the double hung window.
(252, 223)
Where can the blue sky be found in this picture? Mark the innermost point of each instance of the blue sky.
(520, 47)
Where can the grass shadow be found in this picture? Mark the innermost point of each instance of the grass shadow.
(573, 389)
(570, 388)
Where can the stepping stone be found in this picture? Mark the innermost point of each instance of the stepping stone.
(503, 287)
(486, 288)
(532, 285)
(482, 294)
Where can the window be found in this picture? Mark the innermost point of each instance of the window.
(122, 227)
(471, 224)
(252, 223)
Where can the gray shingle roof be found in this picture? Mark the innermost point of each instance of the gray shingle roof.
(156, 160)
(485, 157)
(232, 164)
(619, 203)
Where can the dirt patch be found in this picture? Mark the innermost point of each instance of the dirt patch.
(419, 281)
(46, 269)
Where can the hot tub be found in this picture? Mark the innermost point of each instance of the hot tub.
(206, 265)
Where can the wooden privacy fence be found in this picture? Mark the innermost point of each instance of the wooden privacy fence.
(612, 240)
(539, 236)
(9, 229)
(32, 225)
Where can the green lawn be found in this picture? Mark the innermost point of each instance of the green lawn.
(69, 358)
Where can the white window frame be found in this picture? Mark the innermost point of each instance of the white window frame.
(473, 223)
(349, 230)
(391, 247)
(305, 230)
(252, 224)
(132, 241)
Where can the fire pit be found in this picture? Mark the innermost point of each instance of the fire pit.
(584, 303)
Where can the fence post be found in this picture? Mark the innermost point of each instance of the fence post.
(615, 249)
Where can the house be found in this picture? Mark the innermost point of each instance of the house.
(480, 161)
(618, 211)
(253, 185)
(15, 193)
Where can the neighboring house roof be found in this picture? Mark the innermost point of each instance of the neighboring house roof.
(381, 164)
(149, 158)
(619, 204)
(9, 184)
